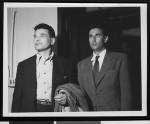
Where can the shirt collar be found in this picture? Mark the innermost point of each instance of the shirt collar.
(101, 54)
(40, 56)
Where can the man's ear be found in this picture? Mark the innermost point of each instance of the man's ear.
(106, 39)
(52, 41)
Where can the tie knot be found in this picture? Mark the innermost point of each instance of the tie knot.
(97, 57)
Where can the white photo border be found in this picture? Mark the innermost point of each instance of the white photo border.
(143, 112)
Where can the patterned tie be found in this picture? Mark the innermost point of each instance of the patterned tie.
(96, 67)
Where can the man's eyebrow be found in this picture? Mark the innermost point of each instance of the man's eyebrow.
(99, 33)
(43, 34)
(95, 34)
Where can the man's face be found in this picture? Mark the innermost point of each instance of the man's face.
(42, 40)
(97, 39)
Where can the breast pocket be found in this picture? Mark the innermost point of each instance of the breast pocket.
(111, 77)
(112, 72)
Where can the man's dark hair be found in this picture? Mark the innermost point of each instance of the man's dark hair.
(45, 26)
(102, 27)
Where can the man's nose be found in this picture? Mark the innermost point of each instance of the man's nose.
(37, 38)
(94, 38)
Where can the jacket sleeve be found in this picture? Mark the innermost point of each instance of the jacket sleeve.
(125, 84)
(17, 95)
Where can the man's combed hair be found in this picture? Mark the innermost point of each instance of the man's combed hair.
(46, 26)
(100, 26)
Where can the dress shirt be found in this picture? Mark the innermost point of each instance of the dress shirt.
(100, 59)
(44, 68)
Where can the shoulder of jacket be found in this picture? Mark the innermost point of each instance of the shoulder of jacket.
(118, 54)
(28, 59)
(83, 61)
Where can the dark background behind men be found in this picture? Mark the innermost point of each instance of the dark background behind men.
(124, 36)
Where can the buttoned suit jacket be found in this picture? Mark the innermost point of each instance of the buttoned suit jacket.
(24, 97)
(111, 90)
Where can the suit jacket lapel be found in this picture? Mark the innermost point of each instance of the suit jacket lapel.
(32, 75)
(89, 72)
(33, 69)
(105, 66)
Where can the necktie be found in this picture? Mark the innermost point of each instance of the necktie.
(96, 67)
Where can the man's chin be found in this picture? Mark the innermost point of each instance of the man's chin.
(39, 50)
(95, 48)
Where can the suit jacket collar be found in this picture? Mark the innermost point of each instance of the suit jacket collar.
(33, 67)
(105, 66)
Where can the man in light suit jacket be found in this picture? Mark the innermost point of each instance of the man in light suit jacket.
(38, 76)
(109, 89)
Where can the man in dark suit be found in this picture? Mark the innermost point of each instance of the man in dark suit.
(105, 75)
(38, 76)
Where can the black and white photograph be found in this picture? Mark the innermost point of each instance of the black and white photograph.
(81, 59)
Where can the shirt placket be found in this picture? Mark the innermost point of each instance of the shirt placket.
(44, 77)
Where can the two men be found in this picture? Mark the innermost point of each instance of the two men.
(109, 89)
(38, 76)
(104, 76)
